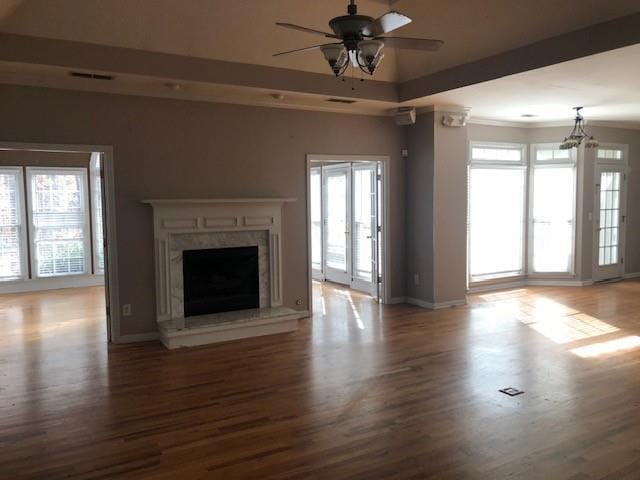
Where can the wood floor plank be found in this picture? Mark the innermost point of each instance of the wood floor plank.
(360, 391)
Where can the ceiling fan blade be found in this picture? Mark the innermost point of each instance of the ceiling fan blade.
(412, 43)
(299, 50)
(306, 30)
(386, 23)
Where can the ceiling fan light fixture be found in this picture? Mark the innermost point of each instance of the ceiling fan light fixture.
(370, 54)
(336, 55)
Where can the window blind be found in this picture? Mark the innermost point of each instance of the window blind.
(11, 231)
(59, 219)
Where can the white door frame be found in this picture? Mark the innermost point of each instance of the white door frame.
(623, 167)
(384, 161)
(111, 270)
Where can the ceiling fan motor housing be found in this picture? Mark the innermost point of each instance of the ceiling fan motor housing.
(349, 28)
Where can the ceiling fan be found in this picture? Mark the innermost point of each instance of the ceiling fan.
(360, 41)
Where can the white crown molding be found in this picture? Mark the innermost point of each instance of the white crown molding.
(550, 124)
(455, 109)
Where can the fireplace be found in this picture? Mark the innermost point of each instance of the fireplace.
(220, 280)
(219, 270)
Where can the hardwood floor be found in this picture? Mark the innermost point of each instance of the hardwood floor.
(361, 391)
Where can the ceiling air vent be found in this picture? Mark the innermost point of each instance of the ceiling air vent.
(340, 100)
(92, 76)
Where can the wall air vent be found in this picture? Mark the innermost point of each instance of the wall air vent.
(92, 76)
(340, 100)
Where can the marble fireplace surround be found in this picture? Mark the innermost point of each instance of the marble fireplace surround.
(185, 224)
(203, 240)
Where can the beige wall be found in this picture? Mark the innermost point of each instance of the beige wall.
(170, 148)
(419, 202)
(450, 213)
(436, 211)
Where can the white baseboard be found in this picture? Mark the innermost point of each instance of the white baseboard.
(552, 282)
(418, 303)
(52, 283)
(496, 286)
(530, 282)
(138, 337)
(627, 276)
(434, 306)
(396, 300)
(449, 304)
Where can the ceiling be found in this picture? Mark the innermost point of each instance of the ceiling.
(244, 31)
(607, 84)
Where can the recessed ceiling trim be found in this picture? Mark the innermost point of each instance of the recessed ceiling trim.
(93, 57)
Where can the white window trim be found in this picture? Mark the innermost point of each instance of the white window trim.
(571, 161)
(24, 252)
(498, 164)
(30, 171)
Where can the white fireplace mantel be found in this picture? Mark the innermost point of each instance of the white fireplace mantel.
(218, 201)
(209, 223)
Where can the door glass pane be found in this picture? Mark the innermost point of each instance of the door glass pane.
(316, 219)
(609, 225)
(553, 218)
(496, 218)
(337, 220)
(363, 222)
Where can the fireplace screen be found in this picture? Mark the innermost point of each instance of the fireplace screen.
(220, 280)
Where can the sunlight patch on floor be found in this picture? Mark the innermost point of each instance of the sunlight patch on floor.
(560, 323)
(604, 348)
(572, 327)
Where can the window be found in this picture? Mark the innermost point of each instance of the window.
(552, 220)
(59, 220)
(96, 212)
(12, 233)
(496, 211)
(609, 154)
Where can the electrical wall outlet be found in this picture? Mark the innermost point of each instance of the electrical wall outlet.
(299, 301)
(416, 279)
(126, 310)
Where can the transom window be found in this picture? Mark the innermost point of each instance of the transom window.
(609, 154)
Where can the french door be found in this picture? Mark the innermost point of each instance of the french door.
(364, 227)
(610, 221)
(337, 223)
(347, 222)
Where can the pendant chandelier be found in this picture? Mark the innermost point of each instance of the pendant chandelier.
(578, 134)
